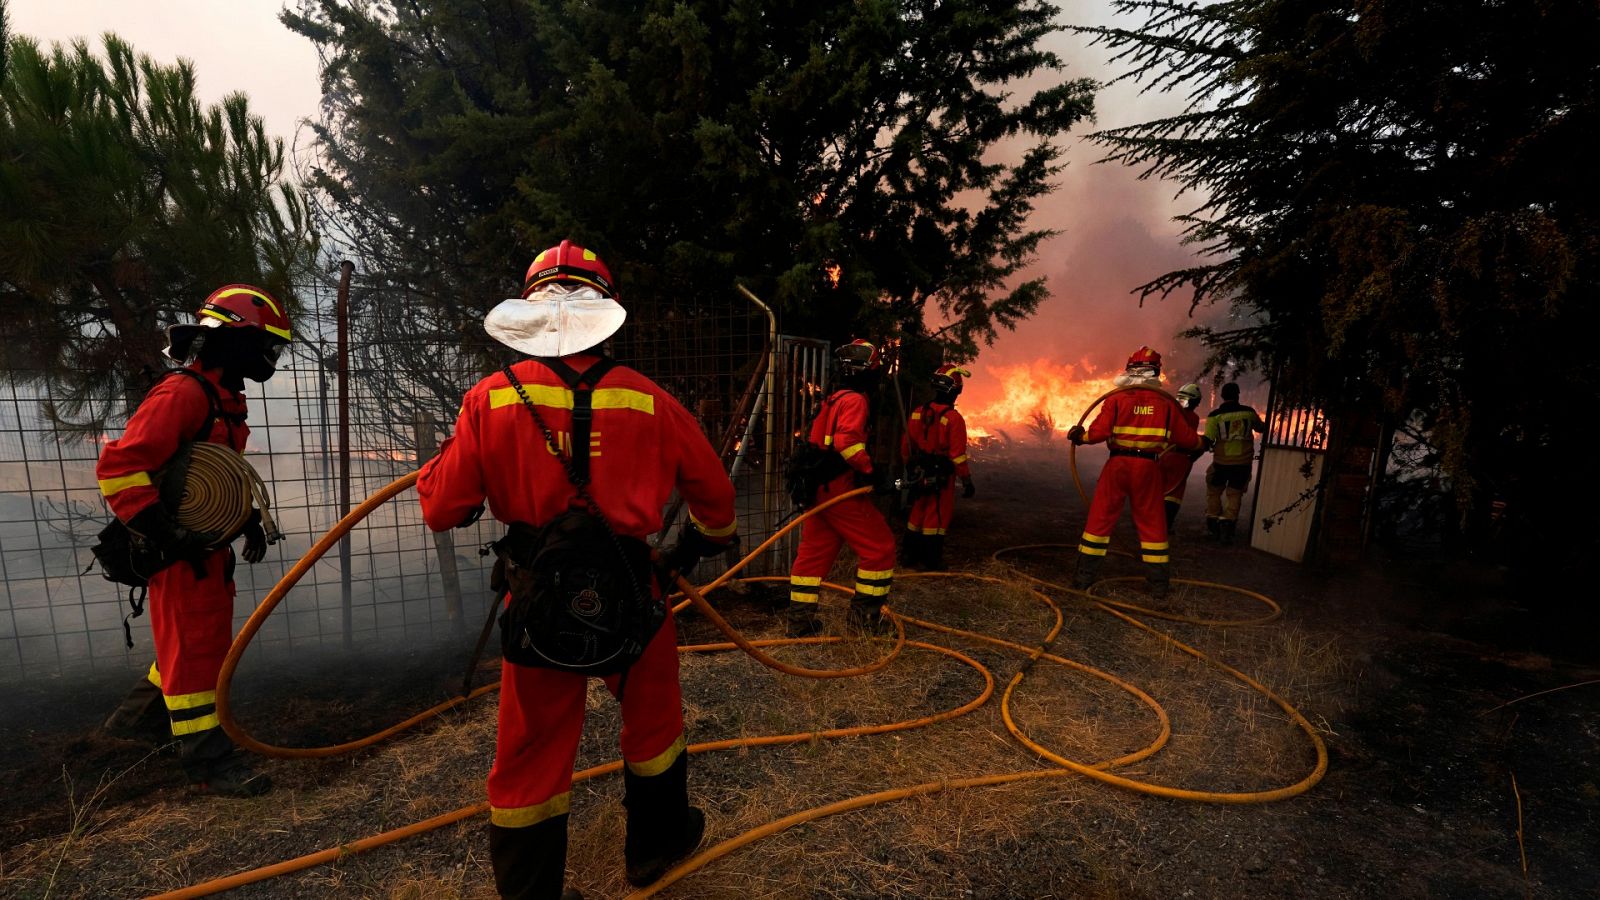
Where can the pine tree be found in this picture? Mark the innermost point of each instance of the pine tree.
(126, 203)
(835, 156)
(1398, 205)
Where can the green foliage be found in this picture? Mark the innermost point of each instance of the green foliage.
(126, 203)
(1398, 204)
(695, 143)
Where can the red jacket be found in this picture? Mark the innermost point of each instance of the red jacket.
(642, 444)
(169, 415)
(842, 425)
(938, 428)
(1143, 421)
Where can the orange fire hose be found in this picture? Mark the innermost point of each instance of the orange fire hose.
(737, 640)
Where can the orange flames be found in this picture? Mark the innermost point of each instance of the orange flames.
(833, 271)
(1011, 396)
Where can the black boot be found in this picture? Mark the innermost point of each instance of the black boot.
(662, 827)
(933, 557)
(1227, 532)
(913, 550)
(141, 716)
(1213, 527)
(1157, 579)
(866, 616)
(214, 766)
(1088, 568)
(530, 863)
(802, 620)
(1172, 514)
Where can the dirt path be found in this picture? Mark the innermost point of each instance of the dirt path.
(1400, 667)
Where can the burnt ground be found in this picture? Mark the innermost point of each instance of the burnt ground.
(1419, 676)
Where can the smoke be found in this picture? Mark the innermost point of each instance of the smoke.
(1116, 233)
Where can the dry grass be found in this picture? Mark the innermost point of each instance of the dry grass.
(1060, 837)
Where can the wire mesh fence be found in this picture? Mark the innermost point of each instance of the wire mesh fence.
(395, 582)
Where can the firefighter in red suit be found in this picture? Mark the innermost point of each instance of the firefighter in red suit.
(240, 332)
(1138, 425)
(842, 427)
(643, 445)
(936, 437)
(1175, 464)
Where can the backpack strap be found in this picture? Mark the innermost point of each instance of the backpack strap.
(582, 385)
(213, 403)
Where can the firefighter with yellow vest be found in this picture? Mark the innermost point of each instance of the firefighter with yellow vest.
(1231, 428)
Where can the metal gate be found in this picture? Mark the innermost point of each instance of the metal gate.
(1292, 459)
(799, 384)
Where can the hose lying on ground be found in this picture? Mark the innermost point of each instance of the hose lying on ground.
(756, 648)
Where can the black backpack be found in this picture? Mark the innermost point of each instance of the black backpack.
(809, 467)
(128, 559)
(581, 598)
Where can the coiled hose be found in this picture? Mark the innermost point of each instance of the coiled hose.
(756, 648)
(220, 488)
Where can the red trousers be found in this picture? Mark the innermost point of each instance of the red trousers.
(541, 720)
(1175, 465)
(931, 513)
(855, 522)
(191, 619)
(1139, 481)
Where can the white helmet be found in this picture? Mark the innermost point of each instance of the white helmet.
(1189, 396)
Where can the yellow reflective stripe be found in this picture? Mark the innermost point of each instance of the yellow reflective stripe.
(561, 398)
(1129, 429)
(805, 580)
(944, 420)
(192, 726)
(246, 291)
(154, 676)
(798, 597)
(523, 816)
(1155, 559)
(1140, 445)
(910, 527)
(960, 459)
(110, 486)
(190, 701)
(661, 762)
(1153, 545)
(1092, 538)
(916, 416)
(872, 590)
(280, 332)
(714, 532)
(1088, 550)
(1171, 499)
(873, 575)
(827, 441)
(852, 450)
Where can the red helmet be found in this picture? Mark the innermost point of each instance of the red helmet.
(859, 356)
(1144, 357)
(947, 378)
(231, 306)
(569, 263)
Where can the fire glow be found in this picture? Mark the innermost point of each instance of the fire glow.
(1012, 396)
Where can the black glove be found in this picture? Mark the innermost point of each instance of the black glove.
(159, 531)
(692, 546)
(882, 483)
(255, 539)
(968, 490)
(1075, 435)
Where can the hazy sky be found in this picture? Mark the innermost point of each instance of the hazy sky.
(1117, 231)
